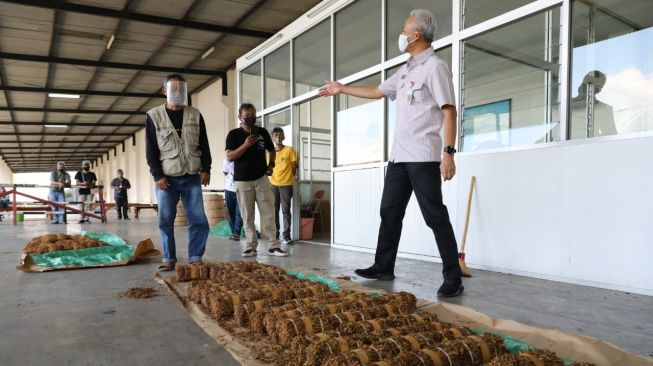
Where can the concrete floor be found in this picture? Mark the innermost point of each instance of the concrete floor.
(76, 318)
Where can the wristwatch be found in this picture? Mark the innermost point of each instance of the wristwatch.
(449, 150)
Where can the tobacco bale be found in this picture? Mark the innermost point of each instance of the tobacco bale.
(378, 325)
(299, 344)
(481, 349)
(539, 357)
(225, 303)
(287, 329)
(257, 319)
(404, 300)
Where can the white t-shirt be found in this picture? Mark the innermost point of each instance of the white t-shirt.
(228, 167)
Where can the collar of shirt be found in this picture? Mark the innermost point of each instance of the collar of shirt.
(421, 58)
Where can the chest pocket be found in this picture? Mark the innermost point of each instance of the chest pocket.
(420, 92)
(166, 140)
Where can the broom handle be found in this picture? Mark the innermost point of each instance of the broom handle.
(469, 208)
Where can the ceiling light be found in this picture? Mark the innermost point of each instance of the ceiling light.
(56, 126)
(113, 38)
(208, 52)
(59, 95)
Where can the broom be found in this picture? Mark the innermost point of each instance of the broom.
(461, 255)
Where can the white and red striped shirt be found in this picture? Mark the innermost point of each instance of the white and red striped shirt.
(421, 87)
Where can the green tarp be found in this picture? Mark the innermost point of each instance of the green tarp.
(116, 251)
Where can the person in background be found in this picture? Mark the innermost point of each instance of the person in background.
(120, 186)
(87, 179)
(283, 181)
(235, 220)
(4, 200)
(59, 179)
(423, 89)
(246, 147)
(178, 153)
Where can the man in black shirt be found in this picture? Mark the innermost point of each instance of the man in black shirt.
(246, 147)
(87, 179)
(120, 185)
(177, 151)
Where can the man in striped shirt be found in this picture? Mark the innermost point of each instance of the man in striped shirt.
(424, 93)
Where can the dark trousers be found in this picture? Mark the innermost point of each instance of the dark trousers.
(401, 180)
(122, 207)
(235, 220)
(282, 198)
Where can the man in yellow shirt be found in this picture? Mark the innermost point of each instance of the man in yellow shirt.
(283, 180)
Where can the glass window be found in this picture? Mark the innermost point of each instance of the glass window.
(312, 58)
(391, 115)
(477, 11)
(358, 37)
(314, 120)
(511, 83)
(398, 10)
(612, 68)
(250, 84)
(358, 127)
(277, 76)
(280, 119)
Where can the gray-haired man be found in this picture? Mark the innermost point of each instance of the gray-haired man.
(424, 92)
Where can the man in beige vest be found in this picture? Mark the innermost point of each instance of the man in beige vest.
(177, 151)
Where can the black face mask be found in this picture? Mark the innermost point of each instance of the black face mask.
(250, 121)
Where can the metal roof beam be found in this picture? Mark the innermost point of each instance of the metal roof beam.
(29, 89)
(71, 124)
(112, 65)
(139, 17)
(70, 110)
(63, 134)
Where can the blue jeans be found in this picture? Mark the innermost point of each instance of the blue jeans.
(189, 189)
(57, 213)
(235, 221)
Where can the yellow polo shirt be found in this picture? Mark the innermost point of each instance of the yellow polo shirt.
(282, 174)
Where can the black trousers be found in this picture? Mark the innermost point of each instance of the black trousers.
(122, 207)
(424, 179)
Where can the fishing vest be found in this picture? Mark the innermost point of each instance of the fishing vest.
(179, 155)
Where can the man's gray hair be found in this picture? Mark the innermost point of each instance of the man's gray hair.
(424, 23)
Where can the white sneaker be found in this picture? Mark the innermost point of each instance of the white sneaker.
(249, 253)
(287, 242)
(278, 252)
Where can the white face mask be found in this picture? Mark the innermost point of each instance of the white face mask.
(403, 43)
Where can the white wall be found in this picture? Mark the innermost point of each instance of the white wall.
(577, 212)
(6, 175)
(219, 114)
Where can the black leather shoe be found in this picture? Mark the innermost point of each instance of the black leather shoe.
(373, 274)
(451, 288)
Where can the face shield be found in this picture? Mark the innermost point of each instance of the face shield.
(176, 92)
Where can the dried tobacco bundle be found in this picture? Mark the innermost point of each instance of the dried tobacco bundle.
(299, 344)
(256, 320)
(57, 242)
(530, 358)
(287, 329)
(383, 348)
(254, 312)
(378, 325)
(346, 316)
